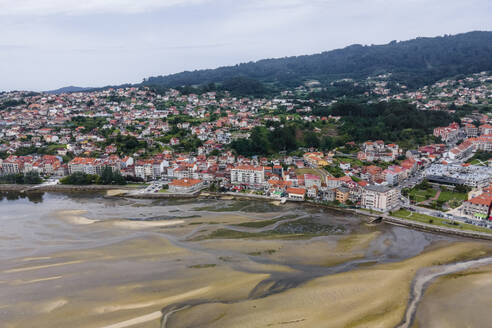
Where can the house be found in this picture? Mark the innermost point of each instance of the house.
(278, 170)
(332, 182)
(342, 194)
(471, 130)
(328, 194)
(479, 207)
(372, 173)
(185, 185)
(312, 192)
(298, 194)
(174, 141)
(448, 134)
(311, 180)
(485, 129)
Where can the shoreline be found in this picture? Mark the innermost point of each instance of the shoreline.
(60, 188)
(233, 196)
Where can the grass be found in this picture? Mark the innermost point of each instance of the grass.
(404, 214)
(308, 171)
(137, 185)
(55, 147)
(477, 162)
(352, 161)
(421, 195)
(447, 195)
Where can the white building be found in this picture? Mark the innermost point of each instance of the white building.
(380, 198)
(248, 174)
(185, 185)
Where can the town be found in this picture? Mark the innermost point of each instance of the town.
(178, 142)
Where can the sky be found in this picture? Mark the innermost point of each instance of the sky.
(47, 44)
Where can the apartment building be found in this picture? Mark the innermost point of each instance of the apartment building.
(248, 175)
(380, 198)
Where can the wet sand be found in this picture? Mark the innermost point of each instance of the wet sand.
(461, 299)
(138, 264)
(371, 297)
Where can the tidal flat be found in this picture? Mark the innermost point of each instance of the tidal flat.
(92, 260)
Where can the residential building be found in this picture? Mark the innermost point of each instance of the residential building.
(478, 207)
(185, 185)
(296, 193)
(248, 175)
(380, 198)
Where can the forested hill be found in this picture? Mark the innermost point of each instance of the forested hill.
(415, 63)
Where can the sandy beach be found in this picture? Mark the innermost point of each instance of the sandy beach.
(230, 264)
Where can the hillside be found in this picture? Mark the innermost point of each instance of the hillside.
(69, 89)
(414, 63)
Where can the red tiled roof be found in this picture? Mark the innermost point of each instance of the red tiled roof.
(297, 191)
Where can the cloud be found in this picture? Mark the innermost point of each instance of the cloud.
(83, 7)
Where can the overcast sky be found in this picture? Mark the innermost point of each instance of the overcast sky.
(47, 44)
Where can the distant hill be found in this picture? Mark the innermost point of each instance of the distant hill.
(414, 63)
(69, 89)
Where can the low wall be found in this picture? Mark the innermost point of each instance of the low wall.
(433, 228)
(160, 195)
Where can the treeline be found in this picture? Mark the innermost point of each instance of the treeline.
(88, 123)
(264, 141)
(397, 122)
(126, 145)
(415, 63)
(9, 103)
(19, 178)
(240, 86)
(392, 122)
(481, 155)
(49, 150)
(340, 89)
(107, 177)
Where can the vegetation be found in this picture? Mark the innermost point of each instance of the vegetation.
(9, 103)
(28, 178)
(107, 177)
(202, 266)
(48, 150)
(298, 229)
(335, 171)
(404, 214)
(243, 86)
(421, 193)
(415, 63)
(264, 223)
(126, 145)
(88, 123)
(263, 141)
(480, 158)
(393, 122)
